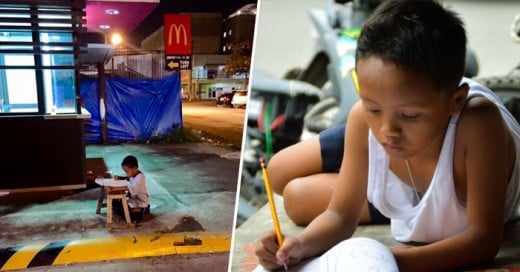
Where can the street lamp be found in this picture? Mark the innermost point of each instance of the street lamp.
(116, 39)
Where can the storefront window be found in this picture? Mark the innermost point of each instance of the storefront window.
(59, 91)
(59, 85)
(37, 67)
(18, 86)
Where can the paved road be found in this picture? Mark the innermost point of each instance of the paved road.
(192, 187)
(225, 124)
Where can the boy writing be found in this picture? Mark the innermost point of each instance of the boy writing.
(139, 199)
(432, 151)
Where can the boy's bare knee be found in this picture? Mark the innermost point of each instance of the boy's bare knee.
(294, 202)
(275, 170)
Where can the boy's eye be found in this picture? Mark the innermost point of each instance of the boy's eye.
(373, 110)
(409, 116)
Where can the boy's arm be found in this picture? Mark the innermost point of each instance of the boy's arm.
(137, 185)
(116, 177)
(485, 136)
(340, 219)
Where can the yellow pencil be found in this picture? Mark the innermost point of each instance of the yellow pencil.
(270, 198)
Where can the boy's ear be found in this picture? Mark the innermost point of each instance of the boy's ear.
(458, 98)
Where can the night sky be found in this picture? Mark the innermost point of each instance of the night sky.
(155, 19)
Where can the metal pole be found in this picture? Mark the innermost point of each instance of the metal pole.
(102, 100)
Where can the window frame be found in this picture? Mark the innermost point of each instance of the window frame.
(36, 17)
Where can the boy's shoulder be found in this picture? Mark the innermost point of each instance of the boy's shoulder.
(481, 103)
(479, 115)
(139, 174)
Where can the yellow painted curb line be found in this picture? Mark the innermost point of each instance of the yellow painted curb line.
(24, 255)
(111, 248)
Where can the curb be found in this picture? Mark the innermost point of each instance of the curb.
(111, 248)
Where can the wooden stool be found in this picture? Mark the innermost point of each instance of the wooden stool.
(101, 199)
(117, 195)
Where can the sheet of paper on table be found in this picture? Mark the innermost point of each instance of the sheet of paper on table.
(355, 254)
(110, 182)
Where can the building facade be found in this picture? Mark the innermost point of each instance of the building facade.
(207, 78)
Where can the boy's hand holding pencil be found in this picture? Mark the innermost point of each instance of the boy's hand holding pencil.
(274, 253)
(272, 257)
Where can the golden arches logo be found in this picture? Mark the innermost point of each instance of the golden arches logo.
(179, 29)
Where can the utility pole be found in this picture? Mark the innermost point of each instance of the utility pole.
(102, 101)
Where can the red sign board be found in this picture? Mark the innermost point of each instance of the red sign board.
(177, 34)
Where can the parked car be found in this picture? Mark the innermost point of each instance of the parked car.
(239, 99)
(224, 99)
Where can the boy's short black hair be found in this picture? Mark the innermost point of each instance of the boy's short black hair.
(130, 161)
(419, 36)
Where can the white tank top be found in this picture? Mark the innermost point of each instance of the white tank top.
(438, 214)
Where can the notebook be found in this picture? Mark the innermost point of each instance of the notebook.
(355, 254)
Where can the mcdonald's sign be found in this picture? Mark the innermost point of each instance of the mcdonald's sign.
(177, 34)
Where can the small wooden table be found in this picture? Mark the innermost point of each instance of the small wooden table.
(115, 194)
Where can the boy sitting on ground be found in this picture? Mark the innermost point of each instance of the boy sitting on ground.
(138, 198)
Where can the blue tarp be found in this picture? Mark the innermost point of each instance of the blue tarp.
(135, 109)
(90, 95)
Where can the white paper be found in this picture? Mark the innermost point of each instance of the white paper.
(310, 265)
(355, 254)
(358, 254)
(111, 182)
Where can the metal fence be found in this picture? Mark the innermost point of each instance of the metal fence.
(133, 63)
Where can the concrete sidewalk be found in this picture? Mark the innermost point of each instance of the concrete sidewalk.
(247, 235)
(192, 189)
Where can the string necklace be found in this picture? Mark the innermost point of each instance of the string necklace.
(413, 183)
